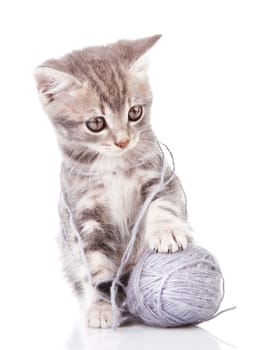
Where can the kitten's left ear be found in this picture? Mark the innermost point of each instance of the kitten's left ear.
(52, 83)
(140, 66)
(139, 54)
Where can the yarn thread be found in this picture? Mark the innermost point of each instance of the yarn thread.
(144, 311)
(78, 236)
(98, 174)
(128, 251)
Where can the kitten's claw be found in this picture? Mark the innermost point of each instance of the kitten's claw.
(168, 240)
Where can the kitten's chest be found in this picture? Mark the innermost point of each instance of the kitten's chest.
(122, 194)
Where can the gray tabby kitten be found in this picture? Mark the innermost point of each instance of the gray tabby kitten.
(98, 100)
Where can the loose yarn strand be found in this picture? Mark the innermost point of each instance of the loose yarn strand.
(222, 311)
(134, 232)
(74, 229)
(173, 174)
(99, 174)
(172, 161)
(220, 301)
(128, 250)
(188, 262)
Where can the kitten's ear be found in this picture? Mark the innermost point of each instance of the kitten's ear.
(140, 66)
(52, 83)
(137, 51)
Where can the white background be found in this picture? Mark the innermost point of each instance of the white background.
(204, 81)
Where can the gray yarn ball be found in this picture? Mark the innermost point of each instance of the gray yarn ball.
(171, 290)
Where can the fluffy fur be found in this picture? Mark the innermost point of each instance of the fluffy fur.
(123, 159)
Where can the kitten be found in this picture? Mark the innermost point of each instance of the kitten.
(98, 100)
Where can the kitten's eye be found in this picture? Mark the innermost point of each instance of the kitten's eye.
(135, 113)
(96, 124)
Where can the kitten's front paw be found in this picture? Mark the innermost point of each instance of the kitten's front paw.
(167, 240)
(100, 315)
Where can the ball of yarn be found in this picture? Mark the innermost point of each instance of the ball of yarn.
(171, 290)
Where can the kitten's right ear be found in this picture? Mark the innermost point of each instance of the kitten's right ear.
(51, 83)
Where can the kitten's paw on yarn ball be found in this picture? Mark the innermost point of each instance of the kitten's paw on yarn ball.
(168, 241)
(100, 315)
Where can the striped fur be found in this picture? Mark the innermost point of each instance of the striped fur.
(107, 81)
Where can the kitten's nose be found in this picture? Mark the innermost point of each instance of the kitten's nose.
(122, 143)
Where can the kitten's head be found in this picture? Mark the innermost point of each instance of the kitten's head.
(99, 99)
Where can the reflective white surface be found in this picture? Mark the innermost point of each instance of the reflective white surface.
(142, 337)
(59, 330)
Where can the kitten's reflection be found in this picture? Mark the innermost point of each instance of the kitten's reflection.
(141, 337)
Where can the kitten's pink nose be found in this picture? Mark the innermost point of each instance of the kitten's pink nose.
(123, 143)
